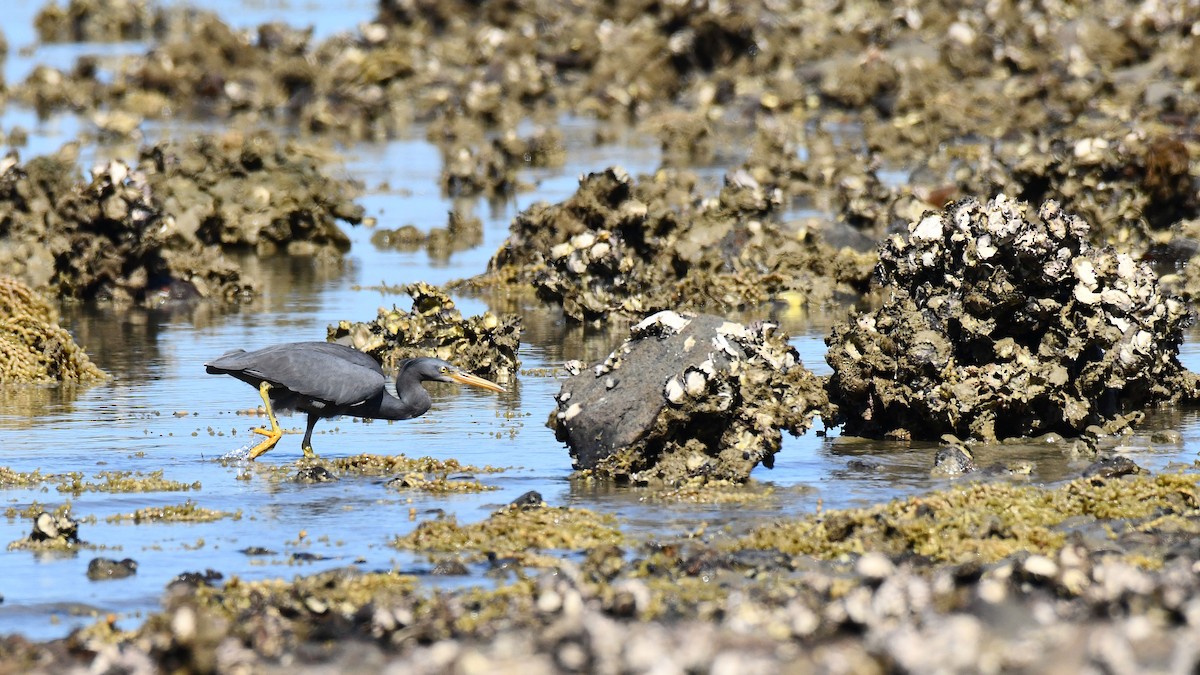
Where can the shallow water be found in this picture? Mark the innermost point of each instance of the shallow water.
(162, 412)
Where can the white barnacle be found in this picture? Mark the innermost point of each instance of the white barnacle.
(984, 247)
(583, 240)
(674, 390)
(929, 228)
(733, 329)
(560, 251)
(1085, 271)
(666, 318)
(695, 382)
(1116, 298)
(1086, 295)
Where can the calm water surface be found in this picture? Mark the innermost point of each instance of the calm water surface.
(162, 412)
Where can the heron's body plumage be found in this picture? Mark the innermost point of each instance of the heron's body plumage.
(327, 379)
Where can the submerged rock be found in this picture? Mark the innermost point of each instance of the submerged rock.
(685, 397)
(485, 345)
(33, 347)
(100, 569)
(1000, 325)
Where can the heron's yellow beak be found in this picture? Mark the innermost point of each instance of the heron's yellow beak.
(475, 381)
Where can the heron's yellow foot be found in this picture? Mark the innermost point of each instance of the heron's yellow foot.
(309, 453)
(274, 433)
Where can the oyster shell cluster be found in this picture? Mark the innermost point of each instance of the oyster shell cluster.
(485, 345)
(686, 396)
(157, 232)
(998, 324)
(628, 248)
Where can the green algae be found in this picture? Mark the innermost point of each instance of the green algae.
(699, 490)
(187, 512)
(35, 507)
(424, 473)
(56, 545)
(122, 481)
(438, 484)
(514, 530)
(11, 478)
(981, 522)
(104, 481)
(33, 347)
(385, 465)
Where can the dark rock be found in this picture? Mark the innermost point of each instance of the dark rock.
(1111, 467)
(107, 568)
(863, 465)
(952, 461)
(257, 550)
(531, 498)
(314, 474)
(195, 579)
(696, 396)
(450, 568)
(47, 526)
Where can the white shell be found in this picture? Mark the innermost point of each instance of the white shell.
(673, 390)
(929, 228)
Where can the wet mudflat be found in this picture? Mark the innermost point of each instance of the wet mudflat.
(159, 537)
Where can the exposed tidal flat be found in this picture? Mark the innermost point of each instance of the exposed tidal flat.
(548, 193)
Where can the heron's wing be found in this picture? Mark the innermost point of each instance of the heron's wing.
(329, 372)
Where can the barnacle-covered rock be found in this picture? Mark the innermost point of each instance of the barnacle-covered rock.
(33, 347)
(485, 345)
(687, 396)
(492, 169)
(52, 532)
(99, 21)
(625, 247)
(1001, 325)
(250, 191)
(156, 233)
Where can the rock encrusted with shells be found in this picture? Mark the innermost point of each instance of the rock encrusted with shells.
(1001, 325)
(686, 397)
(626, 247)
(485, 345)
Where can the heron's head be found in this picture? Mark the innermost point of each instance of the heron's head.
(438, 370)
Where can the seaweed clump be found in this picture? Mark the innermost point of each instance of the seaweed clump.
(1001, 325)
(515, 530)
(687, 397)
(484, 344)
(33, 347)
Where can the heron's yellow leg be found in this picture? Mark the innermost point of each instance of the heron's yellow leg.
(274, 433)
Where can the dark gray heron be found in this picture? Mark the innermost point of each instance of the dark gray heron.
(327, 380)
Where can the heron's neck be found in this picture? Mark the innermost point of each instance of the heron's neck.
(413, 401)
